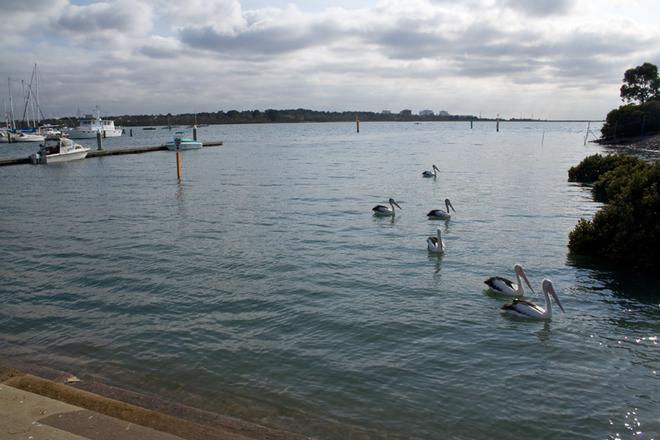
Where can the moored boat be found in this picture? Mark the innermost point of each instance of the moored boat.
(58, 149)
(180, 143)
(92, 124)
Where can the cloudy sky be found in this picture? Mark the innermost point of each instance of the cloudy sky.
(541, 58)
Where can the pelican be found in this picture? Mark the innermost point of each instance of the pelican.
(521, 307)
(505, 286)
(431, 173)
(435, 244)
(439, 213)
(383, 211)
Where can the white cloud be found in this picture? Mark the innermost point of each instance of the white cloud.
(465, 55)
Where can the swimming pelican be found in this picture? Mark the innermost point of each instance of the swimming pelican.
(431, 173)
(439, 213)
(505, 286)
(435, 244)
(383, 211)
(521, 307)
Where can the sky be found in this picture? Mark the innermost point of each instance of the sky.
(551, 59)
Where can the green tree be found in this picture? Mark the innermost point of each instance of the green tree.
(641, 83)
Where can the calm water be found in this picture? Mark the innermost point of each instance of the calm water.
(263, 287)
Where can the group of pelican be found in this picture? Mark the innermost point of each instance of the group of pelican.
(388, 211)
(502, 286)
(496, 285)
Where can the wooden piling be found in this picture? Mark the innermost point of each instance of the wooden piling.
(99, 142)
(130, 132)
(194, 133)
(8, 137)
(357, 122)
(178, 165)
(470, 124)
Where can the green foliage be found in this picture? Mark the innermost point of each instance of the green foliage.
(632, 120)
(640, 83)
(592, 167)
(626, 231)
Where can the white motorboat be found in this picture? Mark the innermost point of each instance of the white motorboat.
(92, 124)
(58, 149)
(180, 143)
(27, 137)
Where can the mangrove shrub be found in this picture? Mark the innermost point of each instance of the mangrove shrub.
(626, 231)
(632, 120)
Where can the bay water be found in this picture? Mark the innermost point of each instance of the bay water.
(261, 286)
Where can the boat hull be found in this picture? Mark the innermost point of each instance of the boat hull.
(76, 133)
(185, 145)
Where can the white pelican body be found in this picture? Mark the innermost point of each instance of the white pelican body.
(505, 286)
(521, 307)
(435, 244)
(439, 213)
(431, 173)
(385, 211)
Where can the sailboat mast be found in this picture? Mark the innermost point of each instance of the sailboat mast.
(11, 104)
(36, 80)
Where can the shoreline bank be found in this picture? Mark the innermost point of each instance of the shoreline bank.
(52, 391)
(650, 143)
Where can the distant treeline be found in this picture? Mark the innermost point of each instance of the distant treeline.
(268, 116)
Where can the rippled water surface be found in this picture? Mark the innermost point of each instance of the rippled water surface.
(262, 286)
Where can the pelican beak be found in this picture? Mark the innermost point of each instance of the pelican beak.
(449, 205)
(397, 205)
(554, 296)
(527, 281)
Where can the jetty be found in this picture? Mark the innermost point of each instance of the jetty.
(111, 152)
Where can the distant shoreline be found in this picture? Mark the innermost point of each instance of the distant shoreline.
(300, 115)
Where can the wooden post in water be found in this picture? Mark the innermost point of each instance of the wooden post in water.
(357, 122)
(177, 142)
(130, 132)
(8, 137)
(194, 133)
(586, 135)
(497, 123)
(99, 142)
(470, 124)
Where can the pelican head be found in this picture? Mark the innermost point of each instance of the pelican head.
(517, 268)
(449, 205)
(435, 244)
(549, 288)
(392, 202)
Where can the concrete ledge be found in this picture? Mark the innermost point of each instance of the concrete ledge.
(213, 427)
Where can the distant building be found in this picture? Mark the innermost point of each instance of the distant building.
(443, 113)
(386, 112)
(406, 113)
(426, 113)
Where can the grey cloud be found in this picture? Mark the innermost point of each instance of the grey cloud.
(158, 52)
(540, 8)
(10, 6)
(98, 17)
(263, 41)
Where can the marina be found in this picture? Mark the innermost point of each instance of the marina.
(263, 287)
(118, 151)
